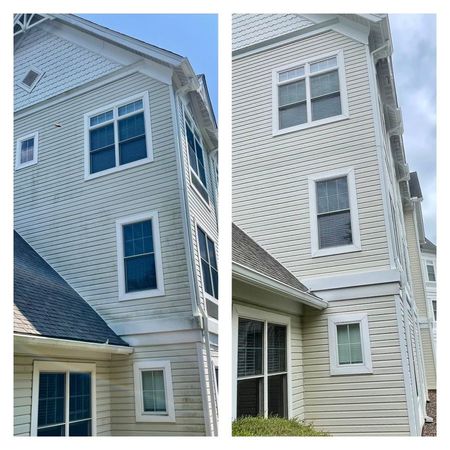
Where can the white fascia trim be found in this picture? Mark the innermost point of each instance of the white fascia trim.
(346, 280)
(136, 327)
(71, 345)
(348, 172)
(370, 292)
(260, 280)
(349, 369)
(159, 290)
(20, 165)
(149, 365)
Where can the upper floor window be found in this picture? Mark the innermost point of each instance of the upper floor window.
(334, 213)
(118, 136)
(209, 264)
(31, 79)
(196, 160)
(309, 93)
(27, 151)
(430, 271)
(139, 257)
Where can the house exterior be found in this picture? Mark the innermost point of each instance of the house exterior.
(321, 184)
(115, 196)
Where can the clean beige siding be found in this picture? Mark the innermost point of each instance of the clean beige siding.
(270, 174)
(366, 404)
(72, 223)
(23, 382)
(428, 356)
(186, 389)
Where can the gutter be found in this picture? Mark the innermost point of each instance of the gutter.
(67, 344)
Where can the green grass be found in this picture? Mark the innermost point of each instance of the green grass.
(273, 426)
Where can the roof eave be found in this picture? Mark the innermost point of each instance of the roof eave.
(260, 280)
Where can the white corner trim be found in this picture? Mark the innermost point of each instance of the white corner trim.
(159, 291)
(67, 367)
(276, 130)
(349, 369)
(348, 172)
(144, 96)
(145, 416)
(33, 161)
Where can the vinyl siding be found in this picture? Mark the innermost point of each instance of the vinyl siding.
(23, 383)
(186, 390)
(365, 404)
(428, 356)
(72, 223)
(64, 63)
(270, 174)
(249, 29)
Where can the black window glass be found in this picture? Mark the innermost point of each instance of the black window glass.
(277, 395)
(51, 399)
(250, 397)
(250, 347)
(132, 143)
(276, 342)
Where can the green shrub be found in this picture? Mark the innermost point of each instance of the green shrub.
(273, 426)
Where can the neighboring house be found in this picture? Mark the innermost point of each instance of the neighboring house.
(320, 185)
(115, 195)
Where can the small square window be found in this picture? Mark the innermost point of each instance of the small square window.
(31, 79)
(27, 151)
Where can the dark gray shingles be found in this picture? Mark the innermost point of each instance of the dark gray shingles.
(248, 253)
(45, 304)
(428, 246)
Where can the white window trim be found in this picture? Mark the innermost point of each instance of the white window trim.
(35, 136)
(240, 311)
(188, 115)
(430, 262)
(141, 415)
(342, 86)
(67, 367)
(148, 136)
(24, 86)
(159, 291)
(348, 172)
(349, 369)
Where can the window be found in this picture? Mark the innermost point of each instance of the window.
(209, 264)
(434, 304)
(153, 391)
(63, 399)
(349, 344)
(262, 366)
(309, 93)
(31, 79)
(139, 257)
(430, 271)
(196, 159)
(118, 137)
(334, 213)
(27, 151)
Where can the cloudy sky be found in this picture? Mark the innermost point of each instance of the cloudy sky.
(414, 41)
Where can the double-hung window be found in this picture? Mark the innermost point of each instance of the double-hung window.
(349, 344)
(334, 213)
(196, 159)
(262, 367)
(118, 136)
(27, 151)
(63, 399)
(431, 274)
(309, 93)
(153, 391)
(139, 257)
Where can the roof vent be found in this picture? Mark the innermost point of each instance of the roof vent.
(31, 79)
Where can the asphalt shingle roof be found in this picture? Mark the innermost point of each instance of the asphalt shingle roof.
(248, 253)
(428, 246)
(45, 304)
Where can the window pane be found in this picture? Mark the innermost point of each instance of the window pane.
(212, 253)
(250, 347)
(276, 341)
(131, 127)
(334, 229)
(200, 187)
(103, 159)
(290, 116)
(277, 396)
(344, 354)
(27, 150)
(328, 106)
(250, 397)
(293, 73)
(137, 238)
(332, 195)
(133, 150)
(153, 391)
(202, 244)
(431, 274)
(59, 430)
(324, 84)
(354, 335)
(83, 428)
(100, 118)
(215, 282)
(140, 273)
(80, 396)
(322, 65)
(349, 343)
(207, 281)
(292, 93)
(51, 398)
(131, 107)
(102, 137)
(356, 353)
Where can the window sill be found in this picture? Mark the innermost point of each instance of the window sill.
(141, 294)
(304, 126)
(315, 253)
(211, 298)
(207, 204)
(139, 162)
(27, 164)
(155, 418)
(351, 370)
